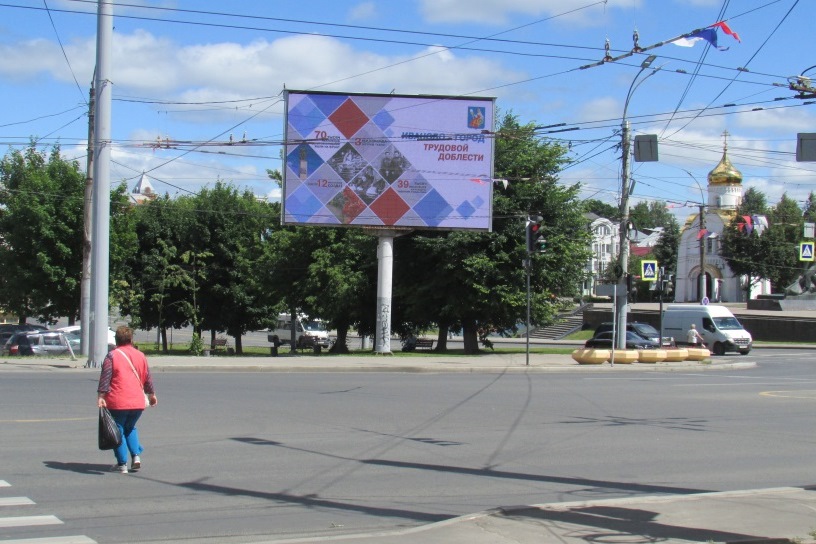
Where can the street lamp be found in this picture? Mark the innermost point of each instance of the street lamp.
(621, 301)
(701, 236)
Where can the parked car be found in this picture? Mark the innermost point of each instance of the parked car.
(644, 330)
(8, 329)
(308, 332)
(74, 334)
(633, 341)
(36, 343)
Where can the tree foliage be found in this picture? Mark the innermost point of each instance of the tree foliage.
(771, 254)
(41, 223)
(602, 209)
(476, 281)
(649, 215)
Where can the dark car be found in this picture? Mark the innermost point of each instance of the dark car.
(644, 330)
(8, 329)
(633, 341)
(36, 343)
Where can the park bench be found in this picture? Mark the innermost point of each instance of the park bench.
(424, 343)
(219, 344)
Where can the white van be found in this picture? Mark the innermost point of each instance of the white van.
(308, 332)
(721, 331)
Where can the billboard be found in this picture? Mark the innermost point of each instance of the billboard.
(391, 161)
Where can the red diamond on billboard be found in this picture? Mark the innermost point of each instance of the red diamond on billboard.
(348, 118)
(390, 207)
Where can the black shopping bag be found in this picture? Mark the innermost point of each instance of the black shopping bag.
(109, 435)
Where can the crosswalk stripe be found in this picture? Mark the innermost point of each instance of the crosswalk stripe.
(25, 521)
(4, 483)
(15, 501)
(53, 540)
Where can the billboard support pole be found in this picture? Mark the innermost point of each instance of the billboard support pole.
(385, 269)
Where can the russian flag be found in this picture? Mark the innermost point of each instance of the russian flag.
(708, 34)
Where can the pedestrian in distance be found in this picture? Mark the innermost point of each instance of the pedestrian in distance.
(693, 337)
(126, 389)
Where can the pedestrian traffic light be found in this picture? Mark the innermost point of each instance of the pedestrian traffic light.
(536, 243)
(666, 286)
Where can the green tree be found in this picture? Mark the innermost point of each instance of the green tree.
(665, 251)
(648, 215)
(155, 290)
(784, 232)
(231, 225)
(754, 202)
(810, 208)
(602, 209)
(476, 281)
(41, 224)
(768, 254)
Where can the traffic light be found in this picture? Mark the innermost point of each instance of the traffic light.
(666, 286)
(536, 243)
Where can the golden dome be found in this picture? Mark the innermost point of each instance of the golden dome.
(725, 173)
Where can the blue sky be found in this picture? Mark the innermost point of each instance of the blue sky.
(200, 71)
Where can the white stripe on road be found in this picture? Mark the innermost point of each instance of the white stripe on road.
(4, 483)
(53, 540)
(15, 501)
(25, 521)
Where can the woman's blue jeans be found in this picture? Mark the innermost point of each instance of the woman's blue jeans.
(126, 421)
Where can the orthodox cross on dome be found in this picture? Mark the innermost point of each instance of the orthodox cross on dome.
(725, 135)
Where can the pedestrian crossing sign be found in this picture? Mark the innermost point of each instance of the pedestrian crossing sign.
(648, 270)
(806, 251)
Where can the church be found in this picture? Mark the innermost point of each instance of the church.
(702, 273)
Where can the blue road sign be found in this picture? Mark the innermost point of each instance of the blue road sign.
(648, 270)
(806, 251)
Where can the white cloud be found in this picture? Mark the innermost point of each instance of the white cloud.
(498, 13)
(786, 121)
(147, 65)
(363, 11)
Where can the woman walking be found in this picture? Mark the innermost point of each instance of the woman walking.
(126, 388)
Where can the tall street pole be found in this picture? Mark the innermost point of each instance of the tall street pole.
(702, 253)
(85, 283)
(100, 264)
(701, 290)
(622, 299)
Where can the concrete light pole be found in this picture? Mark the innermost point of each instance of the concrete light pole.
(100, 236)
(701, 292)
(622, 298)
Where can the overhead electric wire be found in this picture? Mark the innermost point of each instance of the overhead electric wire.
(441, 47)
(64, 54)
(764, 43)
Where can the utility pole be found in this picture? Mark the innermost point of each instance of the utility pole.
(702, 253)
(622, 299)
(85, 284)
(100, 263)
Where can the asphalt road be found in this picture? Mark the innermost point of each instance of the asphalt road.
(240, 456)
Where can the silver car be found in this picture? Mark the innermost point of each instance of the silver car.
(43, 343)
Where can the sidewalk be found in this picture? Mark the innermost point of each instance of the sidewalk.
(286, 362)
(777, 515)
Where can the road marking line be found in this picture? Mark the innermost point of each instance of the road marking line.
(15, 501)
(54, 420)
(4, 483)
(811, 395)
(80, 539)
(25, 521)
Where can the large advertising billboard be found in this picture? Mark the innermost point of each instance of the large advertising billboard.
(392, 161)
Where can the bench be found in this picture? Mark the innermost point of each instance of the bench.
(424, 343)
(219, 344)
